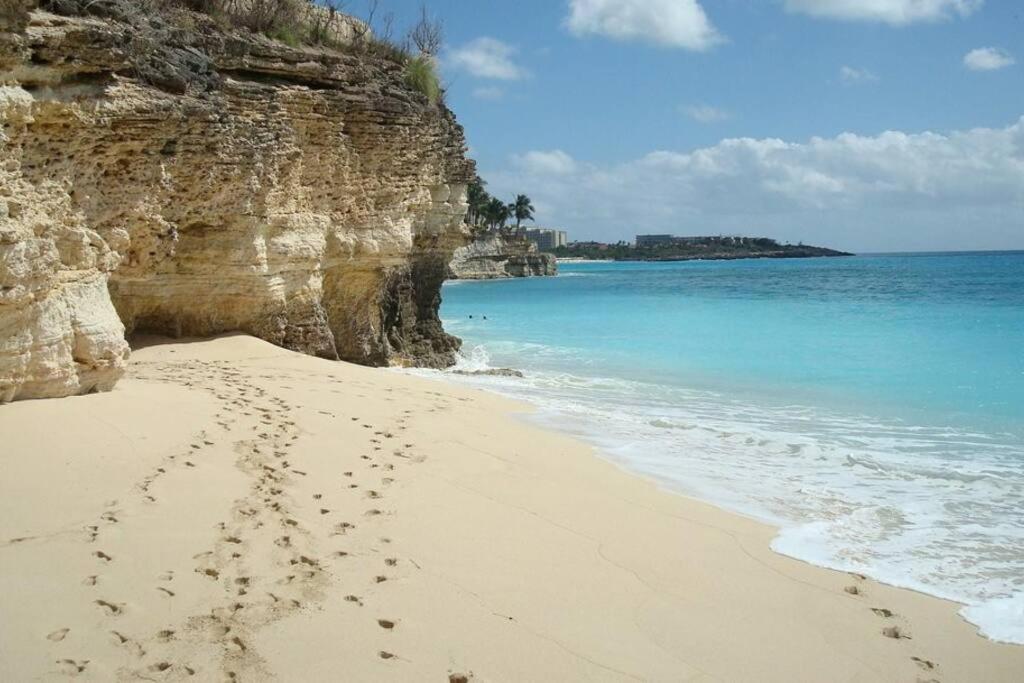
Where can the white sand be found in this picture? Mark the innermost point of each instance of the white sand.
(233, 511)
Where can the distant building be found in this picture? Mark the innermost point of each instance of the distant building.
(546, 239)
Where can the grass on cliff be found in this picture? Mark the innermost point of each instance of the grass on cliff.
(421, 75)
(13, 13)
(292, 22)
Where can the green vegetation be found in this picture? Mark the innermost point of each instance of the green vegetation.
(421, 75)
(711, 248)
(522, 209)
(487, 213)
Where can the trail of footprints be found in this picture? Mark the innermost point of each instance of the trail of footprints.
(259, 430)
(892, 630)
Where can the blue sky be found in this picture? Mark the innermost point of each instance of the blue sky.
(861, 124)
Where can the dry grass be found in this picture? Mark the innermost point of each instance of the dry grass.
(13, 13)
(292, 22)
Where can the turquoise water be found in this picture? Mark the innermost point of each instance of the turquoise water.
(872, 407)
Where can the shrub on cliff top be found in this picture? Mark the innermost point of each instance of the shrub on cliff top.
(421, 75)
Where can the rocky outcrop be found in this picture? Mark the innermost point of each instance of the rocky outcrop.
(223, 182)
(494, 256)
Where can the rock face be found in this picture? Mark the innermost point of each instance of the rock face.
(310, 199)
(493, 256)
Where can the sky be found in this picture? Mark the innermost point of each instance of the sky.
(867, 125)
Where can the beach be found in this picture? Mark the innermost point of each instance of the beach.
(236, 511)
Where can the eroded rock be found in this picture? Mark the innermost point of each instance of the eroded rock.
(308, 198)
(494, 256)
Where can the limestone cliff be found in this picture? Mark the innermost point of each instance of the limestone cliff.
(196, 182)
(494, 256)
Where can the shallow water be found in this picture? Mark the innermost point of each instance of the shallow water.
(872, 407)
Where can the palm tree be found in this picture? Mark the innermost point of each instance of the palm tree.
(478, 199)
(497, 213)
(522, 209)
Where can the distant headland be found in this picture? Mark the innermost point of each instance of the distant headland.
(673, 248)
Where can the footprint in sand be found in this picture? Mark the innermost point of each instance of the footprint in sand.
(103, 556)
(70, 667)
(58, 635)
(386, 624)
(110, 608)
(126, 642)
(894, 632)
(882, 612)
(924, 663)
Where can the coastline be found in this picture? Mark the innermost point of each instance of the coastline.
(429, 532)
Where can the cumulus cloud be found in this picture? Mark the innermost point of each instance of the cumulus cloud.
(895, 12)
(705, 113)
(893, 190)
(486, 58)
(854, 76)
(545, 163)
(988, 59)
(669, 23)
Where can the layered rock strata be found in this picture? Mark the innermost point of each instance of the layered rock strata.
(216, 182)
(494, 256)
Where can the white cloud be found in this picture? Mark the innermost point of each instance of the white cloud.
(554, 162)
(491, 93)
(895, 12)
(705, 113)
(487, 58)
(670, 23)
(854, 76)
(988, 59)
(890, 191)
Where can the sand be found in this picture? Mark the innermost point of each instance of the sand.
(234, 511)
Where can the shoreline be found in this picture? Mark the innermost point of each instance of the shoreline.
(529, 415)
(430, 531)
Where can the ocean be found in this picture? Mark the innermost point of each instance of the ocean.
(871, 407)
